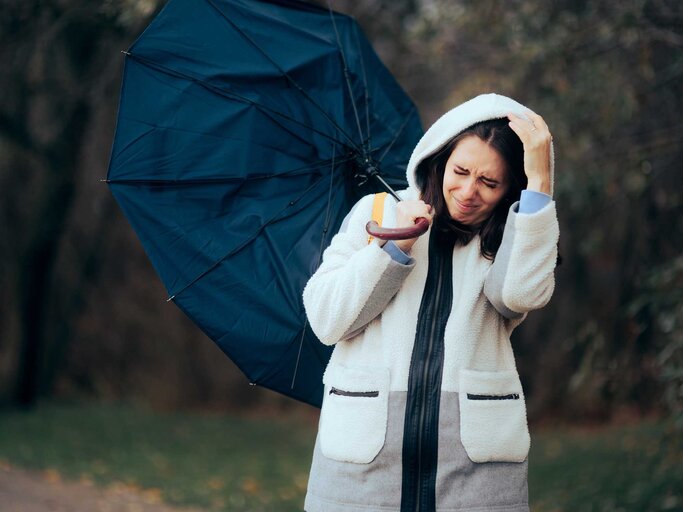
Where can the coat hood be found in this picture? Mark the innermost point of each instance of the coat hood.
(456, 120)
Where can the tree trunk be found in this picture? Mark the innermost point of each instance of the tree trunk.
(36, 274)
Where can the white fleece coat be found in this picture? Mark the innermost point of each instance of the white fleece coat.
(367, 304)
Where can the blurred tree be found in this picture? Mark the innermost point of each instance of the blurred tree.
(56, 70)
(606, 77)
(83, 312)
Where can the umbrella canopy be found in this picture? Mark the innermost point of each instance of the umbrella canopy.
(246, 130)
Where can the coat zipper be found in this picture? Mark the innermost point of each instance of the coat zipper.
(425, 372)
(420, 438)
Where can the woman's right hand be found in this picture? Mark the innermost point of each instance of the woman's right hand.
(406, 213)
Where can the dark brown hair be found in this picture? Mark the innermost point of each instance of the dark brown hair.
(429, 178)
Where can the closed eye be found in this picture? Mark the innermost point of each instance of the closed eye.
(465, 172)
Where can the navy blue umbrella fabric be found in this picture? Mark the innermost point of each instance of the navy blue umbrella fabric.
(241, 126)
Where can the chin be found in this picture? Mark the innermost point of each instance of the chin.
(468, 220)
(465, 221)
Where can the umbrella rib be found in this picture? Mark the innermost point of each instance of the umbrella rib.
(246, 242)
(298, 355)
(284, 73)
(231, 95)
(365, 88)
(400, 130)
(346, 71)
(207, 135)
(211, 181)
(320, 252)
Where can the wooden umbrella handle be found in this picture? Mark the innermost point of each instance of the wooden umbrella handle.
(421, 225)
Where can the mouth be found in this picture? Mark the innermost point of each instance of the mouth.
(465, 207)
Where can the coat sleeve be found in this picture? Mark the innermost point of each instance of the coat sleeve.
(522, 276)
(354, 282)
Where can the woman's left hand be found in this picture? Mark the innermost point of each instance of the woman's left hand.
(536, 139)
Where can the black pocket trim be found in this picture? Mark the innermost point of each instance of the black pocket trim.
(366, 394)
(512, 396)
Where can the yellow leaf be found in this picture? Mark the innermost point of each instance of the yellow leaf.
(52, 476)
(152, 495)
(250, 486)
(215, 484)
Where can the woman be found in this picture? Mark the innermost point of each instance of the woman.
(423, 406)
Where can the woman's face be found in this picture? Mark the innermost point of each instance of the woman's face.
(474, 181)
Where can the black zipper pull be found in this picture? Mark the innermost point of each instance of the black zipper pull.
(363, 394)
(511, 396)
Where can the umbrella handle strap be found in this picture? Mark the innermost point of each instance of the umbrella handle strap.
(421, 225)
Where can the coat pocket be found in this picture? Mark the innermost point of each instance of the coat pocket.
(493, 425)
(353, 420)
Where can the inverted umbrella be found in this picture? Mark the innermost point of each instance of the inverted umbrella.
(246, 131)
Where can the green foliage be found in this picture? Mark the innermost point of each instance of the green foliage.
(608, 79)
(660, 296)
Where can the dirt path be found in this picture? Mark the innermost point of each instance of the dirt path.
(45, 491)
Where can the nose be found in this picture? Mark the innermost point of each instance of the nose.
(469, 189)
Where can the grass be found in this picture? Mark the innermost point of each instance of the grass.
(623, 468)
(237, 464)
(213, 462)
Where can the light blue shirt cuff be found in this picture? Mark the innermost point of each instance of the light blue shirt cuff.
(532, 201)
(397, 254)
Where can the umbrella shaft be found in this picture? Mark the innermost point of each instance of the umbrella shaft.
(387, 187)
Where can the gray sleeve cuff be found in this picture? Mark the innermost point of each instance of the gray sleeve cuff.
(387, 286)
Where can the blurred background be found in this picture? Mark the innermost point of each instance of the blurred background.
(87, 337)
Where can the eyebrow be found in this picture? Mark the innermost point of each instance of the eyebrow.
(482, 177)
